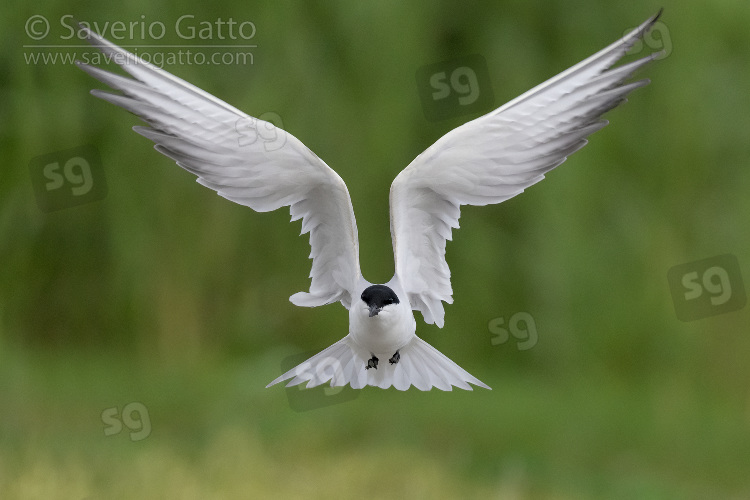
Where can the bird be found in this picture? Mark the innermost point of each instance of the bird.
(484, 161)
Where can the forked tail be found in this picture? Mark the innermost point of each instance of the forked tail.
(420, 365)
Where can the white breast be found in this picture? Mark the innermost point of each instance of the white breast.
(385, 333)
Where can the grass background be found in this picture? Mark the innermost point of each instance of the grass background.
(165, 294)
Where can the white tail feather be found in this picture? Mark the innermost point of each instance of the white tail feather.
(420, 365)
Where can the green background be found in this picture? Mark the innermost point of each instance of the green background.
(165, 294)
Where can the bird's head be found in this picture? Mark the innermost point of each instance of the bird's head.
(377, 297)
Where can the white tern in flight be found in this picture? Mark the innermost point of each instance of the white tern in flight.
(487, 160)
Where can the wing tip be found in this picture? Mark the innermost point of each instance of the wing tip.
(650, 22)
(657, 15)
(95, 38)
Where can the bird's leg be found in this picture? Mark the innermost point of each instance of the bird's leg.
(372, 363)
(395, 358)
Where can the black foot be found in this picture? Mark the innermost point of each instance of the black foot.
(372, 363)
(395, 358)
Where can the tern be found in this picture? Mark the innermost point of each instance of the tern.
(484, 161)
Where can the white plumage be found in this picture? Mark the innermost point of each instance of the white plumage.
(485, 161)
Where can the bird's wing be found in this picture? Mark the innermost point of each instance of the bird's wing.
(228, 152)
(494, 158)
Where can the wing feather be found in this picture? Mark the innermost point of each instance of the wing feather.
(223, 147)
(496, 157)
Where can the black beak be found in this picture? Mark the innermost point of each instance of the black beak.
(374, 310)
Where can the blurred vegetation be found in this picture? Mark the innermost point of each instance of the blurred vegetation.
(166, 294)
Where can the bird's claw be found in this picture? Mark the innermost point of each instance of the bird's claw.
(372, 363)
(395, 358)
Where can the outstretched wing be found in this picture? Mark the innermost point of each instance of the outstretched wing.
(494, 158)
(226, 149)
